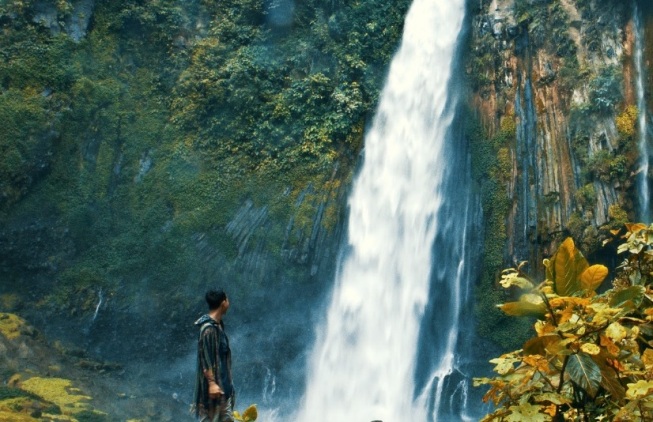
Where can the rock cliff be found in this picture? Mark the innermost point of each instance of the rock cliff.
(560, 76)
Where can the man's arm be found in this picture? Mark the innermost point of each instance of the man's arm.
(209, 360)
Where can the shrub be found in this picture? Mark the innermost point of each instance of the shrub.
(605, 90)
(591, 358)
(586, 196)
(627, 121)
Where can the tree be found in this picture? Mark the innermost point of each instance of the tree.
(592, 356)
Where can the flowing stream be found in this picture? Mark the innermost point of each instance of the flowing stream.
(380, 355)
(643, 188)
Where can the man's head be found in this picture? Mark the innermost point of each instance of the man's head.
(216, 298)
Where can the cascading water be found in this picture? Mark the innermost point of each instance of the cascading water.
(643, 188)
(366, 361)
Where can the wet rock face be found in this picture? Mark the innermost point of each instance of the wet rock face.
(560, 72)
(37, 246)
(42, 378)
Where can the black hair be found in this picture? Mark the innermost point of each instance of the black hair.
(214, 298)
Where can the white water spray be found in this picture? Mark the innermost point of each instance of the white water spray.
(99, 303)
(363, 366)
(643, 188)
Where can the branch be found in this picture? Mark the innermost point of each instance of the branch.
(548, 306)
(562, 374)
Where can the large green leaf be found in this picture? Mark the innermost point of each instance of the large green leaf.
(633, 294)
(566, 266)
(584, 372)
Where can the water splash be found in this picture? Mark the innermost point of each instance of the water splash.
(363, 366)
(269, 386)
(99, 304)
(643, 188)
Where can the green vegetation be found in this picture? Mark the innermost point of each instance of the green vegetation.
(586, 196)
(605, 90)
(598, 16)
(591, 358)
(134, 139)
(492, 169)
(547, 24)
(607, 165)
(12, 393)
(279, 101)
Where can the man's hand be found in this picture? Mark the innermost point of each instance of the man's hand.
(214, 390)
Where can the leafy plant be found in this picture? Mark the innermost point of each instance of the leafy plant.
(605, 90)
(591, 358)
(249, 415)
(627, 121)
(586, 196)
(606, 166)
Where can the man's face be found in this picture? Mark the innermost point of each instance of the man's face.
(225, 305)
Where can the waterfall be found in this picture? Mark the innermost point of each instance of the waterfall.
(643, 188)
(373, 358)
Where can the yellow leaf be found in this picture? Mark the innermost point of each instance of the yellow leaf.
(538, 362)
(554, 398)
(634, 228)
(593, 276)
(551, 410)
(590, 349)
(616, 332)
(639, 389)
(482, 381)
(603, 313)
(565, 315)
(503, 365)
(524, 307)
(558, 302)
(250, 414)
(543, 328)
(567, 265)
(526, 413)
(649, 314)
(634, 332)
(612, 348)
(647, 358)
(512, 278)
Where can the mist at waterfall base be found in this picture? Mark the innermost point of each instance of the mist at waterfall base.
(269, 334)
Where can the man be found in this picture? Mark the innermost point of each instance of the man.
(214, 388)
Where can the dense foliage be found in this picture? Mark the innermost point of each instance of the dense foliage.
(129, 127)
(592, 356)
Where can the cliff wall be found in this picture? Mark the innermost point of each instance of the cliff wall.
(560, 76)
(553, 92)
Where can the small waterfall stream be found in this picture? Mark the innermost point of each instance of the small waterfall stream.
(643, 188)
(377, 356)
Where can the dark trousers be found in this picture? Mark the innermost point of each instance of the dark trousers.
(220, 410)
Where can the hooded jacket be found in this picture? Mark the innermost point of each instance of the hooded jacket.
(213, 355)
